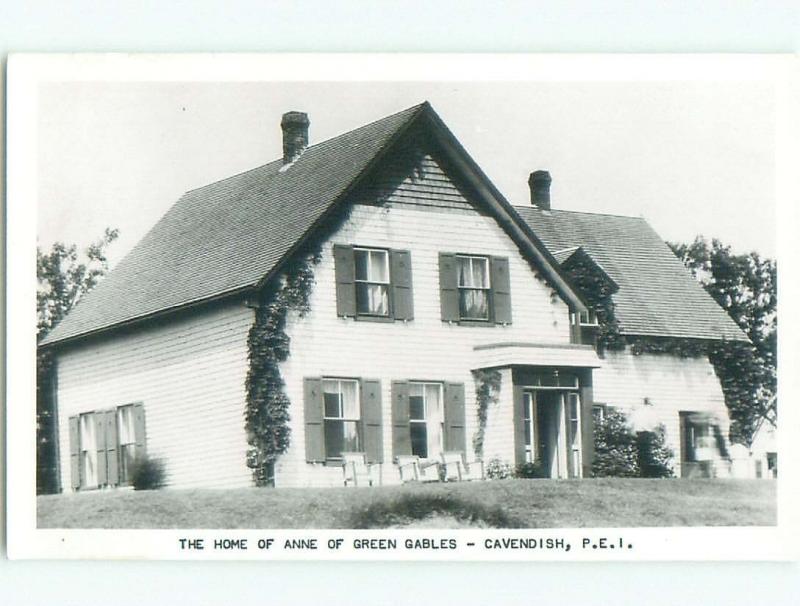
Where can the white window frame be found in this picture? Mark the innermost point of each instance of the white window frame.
(529, 419)
(486, 289)
(123, 447)
(426, 420)
(89, 419)
(575, 451)
(341, 417)
(371, 280)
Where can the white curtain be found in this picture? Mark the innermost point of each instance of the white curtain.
(89, 450)
(435, 418)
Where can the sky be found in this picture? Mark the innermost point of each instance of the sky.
(692, 158)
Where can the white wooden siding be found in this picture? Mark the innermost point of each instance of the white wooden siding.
(669, 383)
(425, 348)
(498, 438)
(189, 374)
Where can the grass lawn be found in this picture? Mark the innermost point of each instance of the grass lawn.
(500, 503)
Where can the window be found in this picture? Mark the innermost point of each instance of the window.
(341, 416)
(426, 419)
(88, 454)
(473, 287)
(573, 410)
(529, 416)
(599, 413)
(126, 431)
(587, 318)
(103, 445)
(372, 281)
(699, 439)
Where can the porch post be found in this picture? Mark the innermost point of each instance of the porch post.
(587, 420)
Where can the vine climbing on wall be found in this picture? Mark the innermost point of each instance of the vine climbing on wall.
(487, 390)
(267, 409)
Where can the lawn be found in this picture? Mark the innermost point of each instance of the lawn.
(501, 503)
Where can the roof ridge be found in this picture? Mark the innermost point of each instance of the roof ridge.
(412, 109)
(581, 212)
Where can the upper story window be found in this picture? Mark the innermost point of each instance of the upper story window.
(473, 287)
(372, 281)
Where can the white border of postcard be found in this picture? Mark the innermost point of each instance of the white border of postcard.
(27, 72)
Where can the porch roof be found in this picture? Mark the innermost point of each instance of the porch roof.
(517, 353)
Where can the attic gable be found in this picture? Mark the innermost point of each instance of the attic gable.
(657, 295)
(575, 259)
(231, 237)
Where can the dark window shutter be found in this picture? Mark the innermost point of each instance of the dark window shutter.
(371, 415)
(100, 439)
(345, 280)
(402, 295)
(687, 453)
(112, 451)
(519, 425)
(501, 290)
(139, 429)
(455, 430)
(74, 453)
(401, 433)
(448, 287)
(312, 406)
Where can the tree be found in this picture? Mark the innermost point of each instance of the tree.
(64, 275)
(745, 286)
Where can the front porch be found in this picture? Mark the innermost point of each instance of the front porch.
(545, 403)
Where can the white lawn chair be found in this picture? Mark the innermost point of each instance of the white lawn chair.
(413, 470)
(456, 468)
(357, 472)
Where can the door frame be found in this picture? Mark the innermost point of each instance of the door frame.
(568, 459)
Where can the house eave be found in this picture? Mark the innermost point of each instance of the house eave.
(160, 315)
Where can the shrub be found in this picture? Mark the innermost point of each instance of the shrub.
(498, 470)
(655, 457)
(530, 470)
(147, 473)
(407, 508)
(615, 447)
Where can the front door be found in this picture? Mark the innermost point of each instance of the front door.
(552, 419)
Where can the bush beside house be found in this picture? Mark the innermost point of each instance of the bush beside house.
(621, 452)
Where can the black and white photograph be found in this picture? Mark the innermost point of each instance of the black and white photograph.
(455, 307)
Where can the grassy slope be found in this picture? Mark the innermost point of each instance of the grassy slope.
(534, 503)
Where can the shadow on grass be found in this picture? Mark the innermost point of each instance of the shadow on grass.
(410, 508)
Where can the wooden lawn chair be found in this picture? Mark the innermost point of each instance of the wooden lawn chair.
(356, 470)
(412, 469)
(456, 468)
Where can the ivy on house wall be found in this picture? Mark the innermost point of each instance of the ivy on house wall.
(733, 365)
(267, 409)
(487, 390)
(597, 290)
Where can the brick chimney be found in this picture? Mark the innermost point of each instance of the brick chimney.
(539, 182)
(295, 135)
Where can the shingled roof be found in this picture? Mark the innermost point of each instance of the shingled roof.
(229, 237)
(225, 237)
(657, 295)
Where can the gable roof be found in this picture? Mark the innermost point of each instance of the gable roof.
(568, 256)
(228, 237)
(657, 295)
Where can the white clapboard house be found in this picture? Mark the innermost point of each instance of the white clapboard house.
(427, 274)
